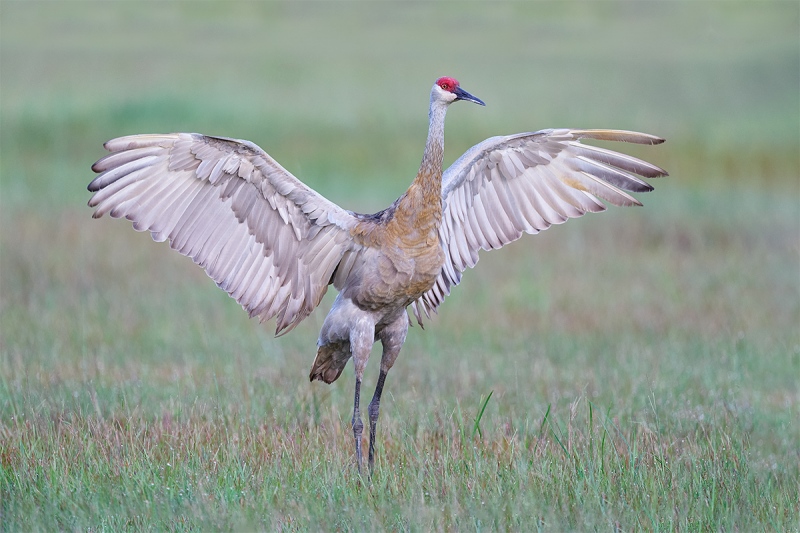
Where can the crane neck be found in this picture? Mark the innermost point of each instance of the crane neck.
(432, 159)
(421, 207)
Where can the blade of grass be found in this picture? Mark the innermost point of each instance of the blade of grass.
(477, 427)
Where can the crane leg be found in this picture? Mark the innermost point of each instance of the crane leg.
(392, 338)
(358, 425)
(373, 410)
(362, 336)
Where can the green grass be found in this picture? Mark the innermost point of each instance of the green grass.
(635, 370)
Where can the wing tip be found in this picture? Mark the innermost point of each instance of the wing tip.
(656, 172)
(651, 139)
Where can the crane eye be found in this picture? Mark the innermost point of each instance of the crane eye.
(445, 86)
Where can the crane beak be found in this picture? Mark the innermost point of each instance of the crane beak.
(461, 94)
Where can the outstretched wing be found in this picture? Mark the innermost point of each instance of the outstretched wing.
(507, 186)
(267, 239)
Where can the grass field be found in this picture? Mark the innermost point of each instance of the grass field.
(643, 363)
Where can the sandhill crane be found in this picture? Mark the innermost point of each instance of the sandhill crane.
(275, 245)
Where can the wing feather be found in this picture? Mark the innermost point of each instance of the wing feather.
(620, 178)
(266, 238)
(616, 159)
(507, 186)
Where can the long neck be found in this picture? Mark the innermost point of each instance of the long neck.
(423, 200)
(430, 170)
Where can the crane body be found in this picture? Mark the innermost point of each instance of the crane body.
(275, 245)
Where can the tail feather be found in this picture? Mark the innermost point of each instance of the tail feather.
(330, 361)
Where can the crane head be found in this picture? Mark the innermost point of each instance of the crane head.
(449, 90)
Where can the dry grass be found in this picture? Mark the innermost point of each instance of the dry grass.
(617, 399)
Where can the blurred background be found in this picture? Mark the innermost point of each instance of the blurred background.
(338, 93)
(682, 315)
